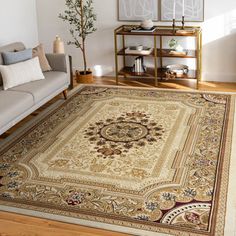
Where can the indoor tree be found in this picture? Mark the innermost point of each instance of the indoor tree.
(79, 14)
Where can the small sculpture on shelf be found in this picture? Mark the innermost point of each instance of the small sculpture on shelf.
(176, 48)
(173, 43)
(147, 24)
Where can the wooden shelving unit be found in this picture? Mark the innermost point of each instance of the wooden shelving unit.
(158, 53)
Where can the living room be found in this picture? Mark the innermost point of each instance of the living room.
(117, 117)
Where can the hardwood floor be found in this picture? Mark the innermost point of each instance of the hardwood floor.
(18, 225)
(203, 86)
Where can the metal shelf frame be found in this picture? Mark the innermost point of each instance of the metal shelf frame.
(158, 52)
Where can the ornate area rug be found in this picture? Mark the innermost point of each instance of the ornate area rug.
(150, 160)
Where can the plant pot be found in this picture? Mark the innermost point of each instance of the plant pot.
(84, 78)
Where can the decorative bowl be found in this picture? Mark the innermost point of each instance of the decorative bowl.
(147, 24)
(179, 69)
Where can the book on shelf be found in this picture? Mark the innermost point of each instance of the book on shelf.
(143, 51)
(138, 66)
(142, 30)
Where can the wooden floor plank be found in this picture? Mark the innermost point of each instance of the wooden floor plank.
(17, 225)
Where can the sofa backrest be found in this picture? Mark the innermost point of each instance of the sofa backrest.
(18, 46)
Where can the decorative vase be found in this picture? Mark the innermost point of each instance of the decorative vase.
(58, 46)
(147, 24)
(84, 78)
(173, 43)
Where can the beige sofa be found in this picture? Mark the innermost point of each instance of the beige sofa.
(20, 101)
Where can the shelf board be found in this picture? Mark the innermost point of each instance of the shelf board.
(165, 53)
(150, 73)
(160, 31)
(122, 53)
(127, 71)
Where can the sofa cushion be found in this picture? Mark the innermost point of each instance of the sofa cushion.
(40, 53)
(10, 48)
(13, 104)
(21, 73)
(53, 81)
(15, 57)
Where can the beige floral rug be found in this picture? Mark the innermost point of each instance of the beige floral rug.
(143, 159)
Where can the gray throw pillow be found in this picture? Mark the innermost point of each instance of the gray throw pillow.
(15, 57)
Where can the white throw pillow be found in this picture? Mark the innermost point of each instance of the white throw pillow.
(21, 73)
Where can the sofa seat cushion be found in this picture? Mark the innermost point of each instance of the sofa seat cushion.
(13, 104)
(41, 89)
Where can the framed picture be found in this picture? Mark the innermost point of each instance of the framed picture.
(137, 10)
(193, 10)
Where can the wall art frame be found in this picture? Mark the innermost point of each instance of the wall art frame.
(138, 10)
(194, 10)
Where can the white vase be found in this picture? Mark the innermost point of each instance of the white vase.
(147, 24)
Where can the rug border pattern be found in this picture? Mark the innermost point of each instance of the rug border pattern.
(222, 189)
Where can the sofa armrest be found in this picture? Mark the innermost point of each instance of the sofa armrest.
(59, 62)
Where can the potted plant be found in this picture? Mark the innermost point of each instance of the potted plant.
(79, 14)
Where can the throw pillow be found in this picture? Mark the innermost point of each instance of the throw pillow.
(15, 57)
(21, 73)
(40, 53)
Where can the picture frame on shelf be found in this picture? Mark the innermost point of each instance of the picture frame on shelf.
(193, 10)
(137, 10)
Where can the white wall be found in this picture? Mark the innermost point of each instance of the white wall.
(219, 36)
(219, 41)
(100, 44)
(18, 22)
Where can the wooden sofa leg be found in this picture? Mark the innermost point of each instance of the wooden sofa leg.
(65, 94)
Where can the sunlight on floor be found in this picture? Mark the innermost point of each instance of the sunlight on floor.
(208, 84)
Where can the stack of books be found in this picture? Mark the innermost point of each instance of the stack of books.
(138, 66)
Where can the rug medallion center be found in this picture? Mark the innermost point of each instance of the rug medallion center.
(130, 143)
(124, 132)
